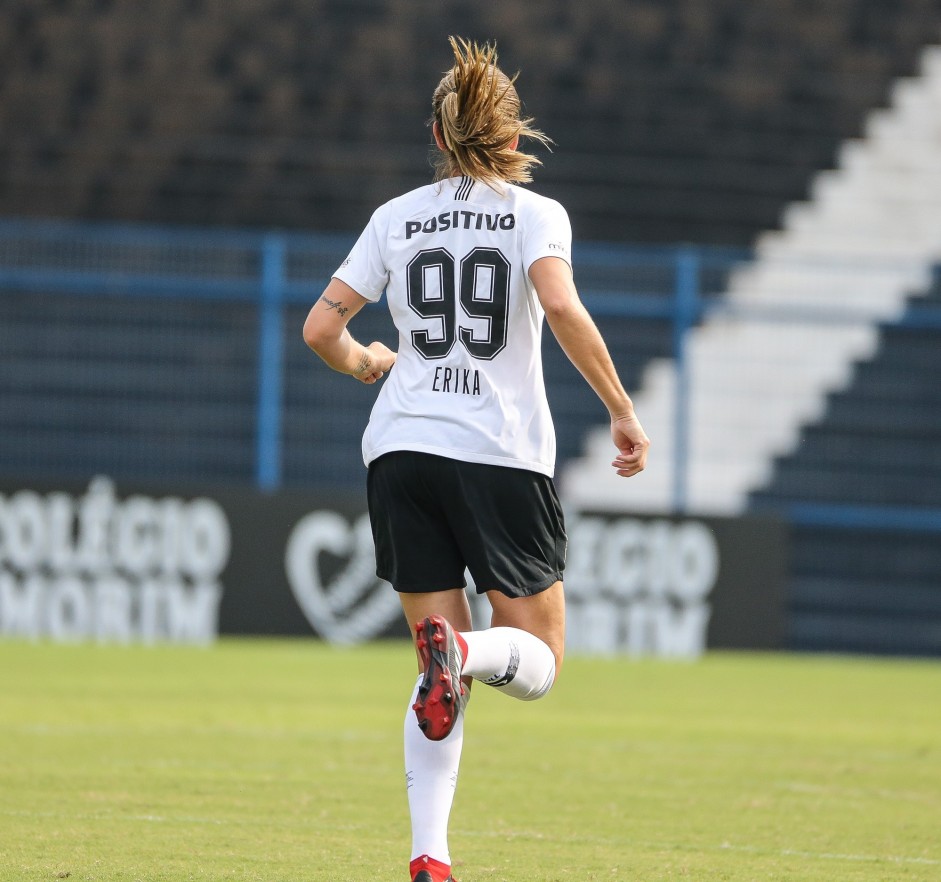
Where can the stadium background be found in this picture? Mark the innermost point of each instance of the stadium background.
(178, 180)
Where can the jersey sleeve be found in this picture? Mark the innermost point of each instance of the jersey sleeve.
(547, 234)
(364, 269)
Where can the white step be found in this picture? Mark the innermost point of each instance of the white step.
(792, 323)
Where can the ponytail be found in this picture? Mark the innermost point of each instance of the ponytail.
(477, 111)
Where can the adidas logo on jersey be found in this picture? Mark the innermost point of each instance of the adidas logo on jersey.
(460, 220)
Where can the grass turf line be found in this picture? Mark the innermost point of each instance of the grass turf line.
(281, 760)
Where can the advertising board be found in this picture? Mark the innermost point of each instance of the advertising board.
(133, 564)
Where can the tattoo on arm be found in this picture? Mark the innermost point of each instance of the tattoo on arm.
(364, 366)
(335, 304)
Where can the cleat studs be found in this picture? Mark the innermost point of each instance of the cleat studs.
(445, 720)
(420, 626)
(447, 697)
(438, 638)
(443, 678)
(422, 643)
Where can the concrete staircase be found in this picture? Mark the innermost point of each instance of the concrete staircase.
(792, 322)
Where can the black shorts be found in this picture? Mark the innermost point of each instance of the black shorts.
(432, 516)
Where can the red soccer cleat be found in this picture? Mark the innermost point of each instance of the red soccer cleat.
(426, 869)
(441, 695)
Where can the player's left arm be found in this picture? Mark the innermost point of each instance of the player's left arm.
(582, 342)
(325, 331)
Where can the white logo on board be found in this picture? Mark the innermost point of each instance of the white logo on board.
(639, 586)
(352, 604)
(99, 568)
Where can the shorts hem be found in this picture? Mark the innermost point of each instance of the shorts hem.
(423, 589)
(527, 590)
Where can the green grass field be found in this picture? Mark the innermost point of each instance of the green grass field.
(278, 761)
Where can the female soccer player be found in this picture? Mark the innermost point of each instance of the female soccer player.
(460, 446)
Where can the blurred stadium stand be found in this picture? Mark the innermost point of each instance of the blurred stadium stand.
(676, 120)
(877, 440)
(150, 351)
(143, 352)
(863, 491)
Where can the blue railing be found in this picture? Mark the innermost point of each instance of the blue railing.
(273, 271)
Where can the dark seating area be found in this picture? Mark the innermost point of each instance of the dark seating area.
(133, 387)
(674, 121)
(139, 389)
(165, 386)
(865, 590)
(326, 412)
(876, 445)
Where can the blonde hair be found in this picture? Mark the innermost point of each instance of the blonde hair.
(477, 111)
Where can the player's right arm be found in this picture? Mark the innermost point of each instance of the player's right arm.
(326, 333)
(582, 342)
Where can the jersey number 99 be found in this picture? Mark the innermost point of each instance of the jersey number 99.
(484, 284)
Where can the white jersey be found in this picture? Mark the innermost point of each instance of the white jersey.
(453, 258)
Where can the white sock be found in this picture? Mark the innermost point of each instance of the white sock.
(511, 660)
(431, 769)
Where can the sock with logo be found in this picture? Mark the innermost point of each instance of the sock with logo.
(431, 769)
(509, 659)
